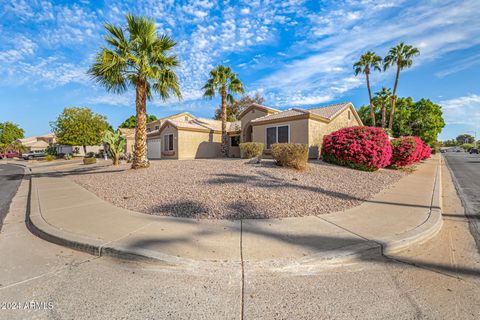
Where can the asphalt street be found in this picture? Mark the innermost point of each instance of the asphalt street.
(10, 177)
(466, 171)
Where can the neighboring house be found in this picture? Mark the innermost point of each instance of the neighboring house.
(129, 134)
(76, 150)
(37, 143)
(184, 136)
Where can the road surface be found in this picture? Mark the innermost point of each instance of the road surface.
(466, 171)
(10, 177)
(439, 279)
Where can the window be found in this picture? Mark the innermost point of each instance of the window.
(156, 127)
(168, 142)
(279, 134)
(349, 114)
(234, 141)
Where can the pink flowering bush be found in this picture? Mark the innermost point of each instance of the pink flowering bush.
(364, 148)
(408, 150)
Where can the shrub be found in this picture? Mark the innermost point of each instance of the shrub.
(89, 160)
(251, 149)
(292, 155)
(90, 155)
(363, 148)
(405, 151)
(67, 156)
(49, 157)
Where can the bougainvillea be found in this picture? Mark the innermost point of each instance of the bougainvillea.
(408, 150)
(364, 148)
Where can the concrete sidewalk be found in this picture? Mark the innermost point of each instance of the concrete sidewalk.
(65, 213)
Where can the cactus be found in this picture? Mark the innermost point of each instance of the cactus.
(115, 145)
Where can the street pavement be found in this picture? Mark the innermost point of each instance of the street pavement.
(466, 172)
(10, 177)
(439, 279)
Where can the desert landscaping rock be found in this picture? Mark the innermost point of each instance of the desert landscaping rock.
(234, 189)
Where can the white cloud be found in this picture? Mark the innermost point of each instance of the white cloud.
(462, 110)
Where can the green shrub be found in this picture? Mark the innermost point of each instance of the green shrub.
(89, 160)
(251, 149)
(49, 157)
(67, 156)
(292, 155)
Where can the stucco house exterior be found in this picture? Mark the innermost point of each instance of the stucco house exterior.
(184, 136)
(37, 143)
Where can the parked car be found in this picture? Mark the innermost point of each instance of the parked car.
(9, 155)
(473, 151)
(34, 154)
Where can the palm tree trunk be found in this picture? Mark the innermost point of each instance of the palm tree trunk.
(224, 146)
(384, 114)
(139, 154)
(394, 98)
(372, 111)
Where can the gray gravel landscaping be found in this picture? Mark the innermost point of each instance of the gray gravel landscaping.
(233, 189)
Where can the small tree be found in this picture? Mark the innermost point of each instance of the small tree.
(465, 138)
(131, 122)
(79, 127)
(116, 145)
(9, 132)
(237, 106)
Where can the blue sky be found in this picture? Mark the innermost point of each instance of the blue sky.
(295, 53)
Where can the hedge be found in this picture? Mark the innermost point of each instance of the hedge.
(292, 155)
(363, 148)
(250, 150)
(89, 160)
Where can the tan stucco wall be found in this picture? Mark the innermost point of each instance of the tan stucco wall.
(317, 130)
(194, 144)
(298, 131)
(129, 145)
(252, 114)
(168, 129)
(183, 117)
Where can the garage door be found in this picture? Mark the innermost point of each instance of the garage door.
(153, 148)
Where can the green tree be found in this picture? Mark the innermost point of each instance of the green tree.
(383, 98)
(400, 56)
(139, 58)
(226, 83)
(422, 118)
(79, 127)
(9, 132)
(234, 109)
(368, 62)
(131, 122)
(465, 138)
(116, 145)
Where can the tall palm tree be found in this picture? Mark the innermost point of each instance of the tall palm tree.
(368, 61)
(226, 83)
(383, 97)
(401, 55)
(140, 58)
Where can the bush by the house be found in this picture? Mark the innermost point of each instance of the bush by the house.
(251, 149)
(292, 155)
(408, 150)
(363, 148)
(89, 160)
(49, 157)
(67, 156)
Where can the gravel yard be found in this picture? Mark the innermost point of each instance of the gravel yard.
(232, 189)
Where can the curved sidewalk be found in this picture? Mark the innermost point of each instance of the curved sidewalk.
(63, 212)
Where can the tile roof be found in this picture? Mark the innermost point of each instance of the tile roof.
(204, 124)
(258, 106)
(328, 112)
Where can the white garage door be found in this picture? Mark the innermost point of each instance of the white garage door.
(154, 148)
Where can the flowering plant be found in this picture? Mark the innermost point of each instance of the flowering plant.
(364, 148)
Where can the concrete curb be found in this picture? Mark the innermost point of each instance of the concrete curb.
(429, 228)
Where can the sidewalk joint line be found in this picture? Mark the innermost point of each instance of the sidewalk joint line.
(102, 246)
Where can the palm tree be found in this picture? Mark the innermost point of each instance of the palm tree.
(139, 58)
(367, 62)
(401, 55)
(223, 80)
(383, 97)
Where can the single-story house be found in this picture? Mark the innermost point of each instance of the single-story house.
(183, 136)
(37, 143)
(129, 134)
